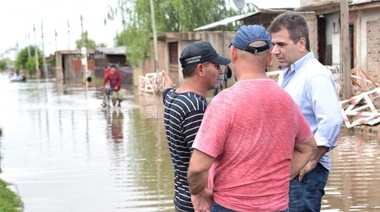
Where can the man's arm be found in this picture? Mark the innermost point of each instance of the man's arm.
(200, 163)
(168, 82)
(301, 156)
(120, 80)
(317, 155)
(197, 177)
(104, 81)
(327, 112)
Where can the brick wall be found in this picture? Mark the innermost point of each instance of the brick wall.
(373, 49)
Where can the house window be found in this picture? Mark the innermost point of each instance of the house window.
(173, 53)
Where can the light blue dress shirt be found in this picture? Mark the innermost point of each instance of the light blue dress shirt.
(312, 87)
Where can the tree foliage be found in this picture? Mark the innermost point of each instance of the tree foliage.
(171, 16)
(3, 65)
(85, 41)
(50, 60)
(26, 59)
(88, 43)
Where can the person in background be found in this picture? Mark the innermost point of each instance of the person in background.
(312, 87)
(89, 78)
(184, 108)
(253, 137)
(114, 79)
(227, 73)
(106, 71)
(22, 75)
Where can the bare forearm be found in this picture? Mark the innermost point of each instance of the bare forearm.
(197, 181)
(301, 156)
(321, 150)
(299, 161)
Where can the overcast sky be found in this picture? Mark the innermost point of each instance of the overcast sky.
(17, 18)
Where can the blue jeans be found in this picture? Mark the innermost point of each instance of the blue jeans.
(306, 196)
(218, 208)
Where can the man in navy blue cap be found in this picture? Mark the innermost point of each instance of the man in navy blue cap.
(253, 137)
(184, 109)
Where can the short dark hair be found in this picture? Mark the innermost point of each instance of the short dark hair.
(189, 70)
(294, 23)
(113, 66)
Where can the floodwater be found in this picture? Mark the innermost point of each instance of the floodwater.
(66, 153)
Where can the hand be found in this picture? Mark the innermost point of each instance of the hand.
(309, 166)
(168, 82)
(202, 201)
(116, 87)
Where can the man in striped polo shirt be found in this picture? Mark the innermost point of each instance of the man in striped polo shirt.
(184, 109)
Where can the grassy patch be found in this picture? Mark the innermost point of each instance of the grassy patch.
(9, 201)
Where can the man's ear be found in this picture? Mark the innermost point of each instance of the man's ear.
(199, 70)
(302, 44)
(233, 54)
(269, 60)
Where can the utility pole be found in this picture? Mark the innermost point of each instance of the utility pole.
(68, 35)
(81, 25)
(83, 51)
(27, 38)
(154, 36)
(55, 40)
(36, 52)
(344, 49)
(43, 50)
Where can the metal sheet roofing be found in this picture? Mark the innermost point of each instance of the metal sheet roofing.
(226, 21)
(114, 50)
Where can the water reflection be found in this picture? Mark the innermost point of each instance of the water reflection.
(66, 153)
(354, 184)
(114, 125)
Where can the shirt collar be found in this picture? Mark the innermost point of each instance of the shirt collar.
(299, 63)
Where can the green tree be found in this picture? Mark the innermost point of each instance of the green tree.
(3, 65)
(30, 65)
(171, 16)
(24, 59)
(50, 60)
(102, 45)
(87, 42)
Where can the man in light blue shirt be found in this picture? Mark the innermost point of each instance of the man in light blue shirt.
(312, 87)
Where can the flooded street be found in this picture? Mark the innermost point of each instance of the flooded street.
(64, 152)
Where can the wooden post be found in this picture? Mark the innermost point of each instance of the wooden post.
(43, 51)
(36, 53)
(83, 51)
(344, 47)
(154, 36)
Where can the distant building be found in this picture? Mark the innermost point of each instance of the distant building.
(364, 33)
(69, 64)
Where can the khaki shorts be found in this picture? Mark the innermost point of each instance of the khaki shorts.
(118, 94)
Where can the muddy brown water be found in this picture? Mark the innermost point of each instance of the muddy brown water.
(65, 153)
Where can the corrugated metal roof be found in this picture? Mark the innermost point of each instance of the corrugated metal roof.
(241, 17)
(114, 50)
(226, 21)
(353, 2)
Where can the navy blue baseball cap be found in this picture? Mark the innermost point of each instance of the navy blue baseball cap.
(251, 33)
(200, 52)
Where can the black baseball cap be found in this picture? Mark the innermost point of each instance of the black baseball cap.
(200, 52)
